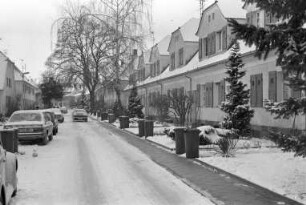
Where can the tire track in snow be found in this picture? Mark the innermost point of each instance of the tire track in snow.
(91, 191)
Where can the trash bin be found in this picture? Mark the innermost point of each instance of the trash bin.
(192, 139)
(9, 138)
(111, 118)
(179, 140)
(141, 128)
(148, 127)
(124, 122)
(104, 116)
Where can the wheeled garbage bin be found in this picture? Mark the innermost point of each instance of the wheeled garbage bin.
(124, 122)
(141, 128)
(9, 138)
(179, 140)
(149, 125)
(192, 139)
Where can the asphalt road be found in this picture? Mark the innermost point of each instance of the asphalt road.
(88, 164)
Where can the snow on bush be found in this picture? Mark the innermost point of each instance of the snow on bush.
(210, 133)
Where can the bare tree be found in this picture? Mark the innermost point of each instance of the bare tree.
(127, 19)
(180, 105)
(83, 49)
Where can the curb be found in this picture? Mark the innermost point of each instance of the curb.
(210, 167)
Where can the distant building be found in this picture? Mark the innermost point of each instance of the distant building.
(16, 90)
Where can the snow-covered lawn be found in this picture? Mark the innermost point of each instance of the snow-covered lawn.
(257, 160)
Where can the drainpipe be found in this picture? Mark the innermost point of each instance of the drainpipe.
(147, 104)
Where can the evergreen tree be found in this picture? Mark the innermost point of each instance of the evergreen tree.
(287, 38)
(135, 106)
(236, 105)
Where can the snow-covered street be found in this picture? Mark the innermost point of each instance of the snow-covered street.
(86, 164)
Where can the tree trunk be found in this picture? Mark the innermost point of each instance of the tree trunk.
(92, 100)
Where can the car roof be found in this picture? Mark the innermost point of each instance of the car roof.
(29, 111)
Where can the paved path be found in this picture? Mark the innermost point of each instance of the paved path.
(220, 188)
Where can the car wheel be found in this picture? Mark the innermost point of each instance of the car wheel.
(45, 140)
(50, 137)
(2, 198)
(14, 192)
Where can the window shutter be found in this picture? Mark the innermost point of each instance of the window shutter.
(206, 95)
(198, 95)
(224, 38)
(208, 45)
(259, 90)
(200, 48)
(272, 86)
(204, 45)
(209, 94)
(221, 92)
(214, 43)
(286, 91)
(253, 91)
(279, 86)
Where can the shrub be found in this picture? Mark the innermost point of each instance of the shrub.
(290, 143)
(227, 145)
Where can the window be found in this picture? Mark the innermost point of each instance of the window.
(8, 82)
(209, 18)
(213, 16)
(181, 56)
(151, 69)
(172, 67)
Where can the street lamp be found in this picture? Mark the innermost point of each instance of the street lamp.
(23, 87)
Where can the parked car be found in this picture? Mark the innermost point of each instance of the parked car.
(58, 114)
(32, 125)
(79, 115)
(64, 110)
(53, 120)
(8, 175)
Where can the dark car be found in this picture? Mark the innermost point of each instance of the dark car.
(53, 120)
(79, 115)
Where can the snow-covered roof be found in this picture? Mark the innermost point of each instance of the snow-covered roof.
(194, 65)
(189, 29)
(232, 8)
(163, 45)
(229, 8)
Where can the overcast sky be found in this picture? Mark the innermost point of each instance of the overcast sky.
(25, 27)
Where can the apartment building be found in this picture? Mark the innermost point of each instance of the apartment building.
(197, 56)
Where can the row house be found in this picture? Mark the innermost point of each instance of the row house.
(16, 91)
(197, 56)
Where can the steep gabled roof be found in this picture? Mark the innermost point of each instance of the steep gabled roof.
(189, 28)
(163, 45)
(229, 8)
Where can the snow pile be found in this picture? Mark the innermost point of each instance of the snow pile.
(211, 133)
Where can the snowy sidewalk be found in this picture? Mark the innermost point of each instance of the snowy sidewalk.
(219, 187)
